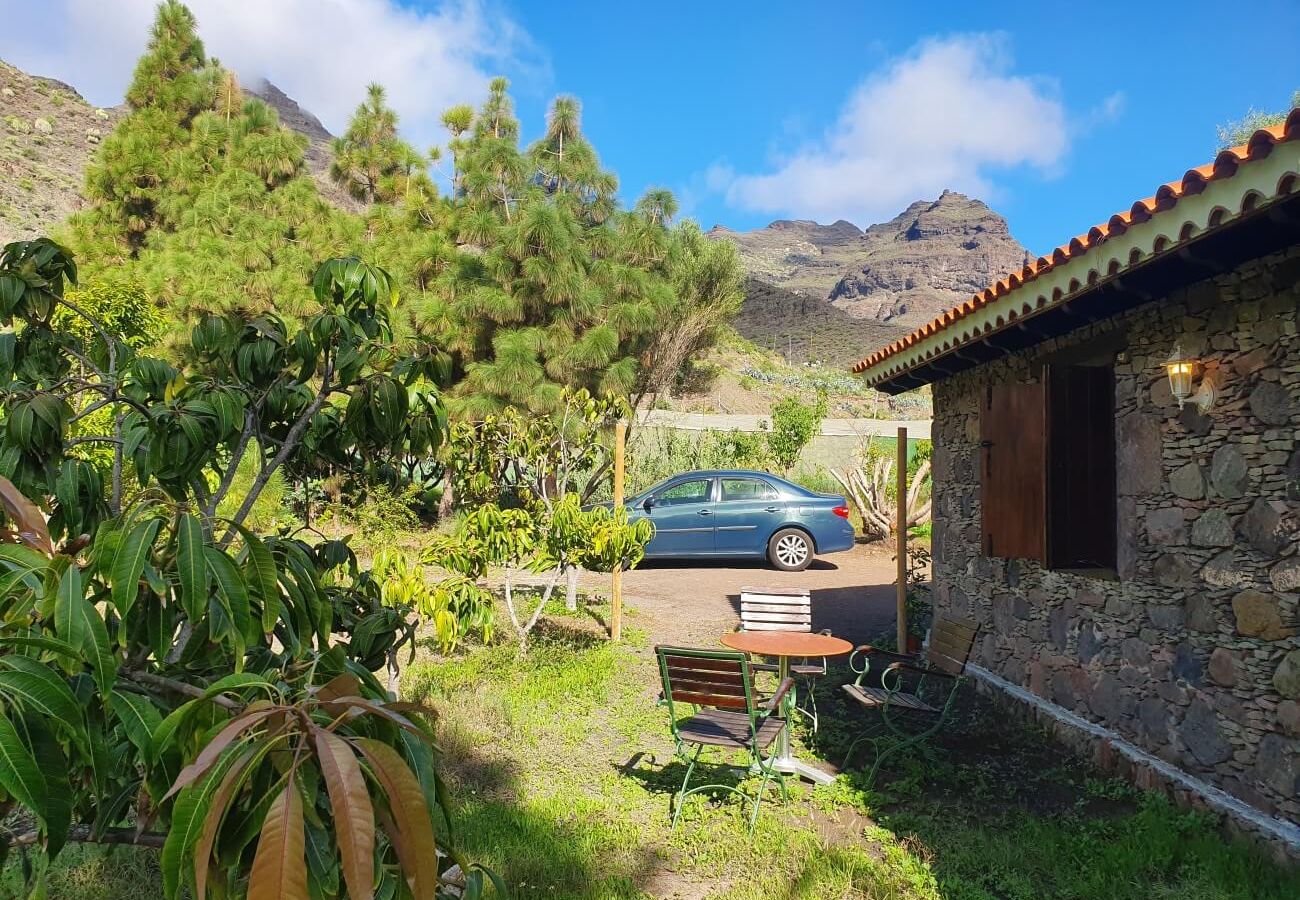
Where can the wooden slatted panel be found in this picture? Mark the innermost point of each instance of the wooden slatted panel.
(706, 682)
(1013, 471)
(775, 609)
(1081, 469)
(950, 645)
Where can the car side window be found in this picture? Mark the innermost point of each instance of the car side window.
(683, 492)
(747, 489)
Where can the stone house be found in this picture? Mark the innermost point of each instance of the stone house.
(1132, 556)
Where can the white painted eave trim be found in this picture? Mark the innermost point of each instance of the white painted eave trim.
(1256, 184)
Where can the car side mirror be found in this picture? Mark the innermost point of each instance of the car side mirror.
(648, 504)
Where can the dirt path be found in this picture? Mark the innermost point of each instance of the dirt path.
(696, 602)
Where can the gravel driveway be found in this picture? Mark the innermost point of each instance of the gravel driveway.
(695, 602)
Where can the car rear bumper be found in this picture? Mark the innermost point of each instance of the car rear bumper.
(837, 541)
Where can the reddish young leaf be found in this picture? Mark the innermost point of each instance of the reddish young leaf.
(209, 754)
(354, 817)
(413, 836)
(212, 822)
(280, 866)
(27, 519)
(344, 704)
(345, 685)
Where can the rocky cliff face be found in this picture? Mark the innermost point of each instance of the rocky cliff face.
(927, 259)
(809, 282)
(48, 134)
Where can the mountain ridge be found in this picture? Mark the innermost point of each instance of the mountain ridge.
(831, 293)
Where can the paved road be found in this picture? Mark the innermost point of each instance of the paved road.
(695, 603)
(667, 418)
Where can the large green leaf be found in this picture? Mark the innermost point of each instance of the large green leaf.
(80, 624)
(139, 719)
(191, 566)
(39, 688)
(262, 577)
(19, 774)
(233, 596)
(164, 734)
(129, 562)
(53, 765)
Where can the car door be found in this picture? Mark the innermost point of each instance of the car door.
(682, 513)
(745, 515)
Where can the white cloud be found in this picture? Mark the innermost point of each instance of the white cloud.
(321, 52)
(948, 114)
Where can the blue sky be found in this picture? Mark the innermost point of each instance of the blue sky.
(670, 88)
(1056, 115)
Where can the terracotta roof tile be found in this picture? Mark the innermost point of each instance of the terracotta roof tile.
(1193, 182)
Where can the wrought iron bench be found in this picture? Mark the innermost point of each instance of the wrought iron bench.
(719, 685)
(944, 659)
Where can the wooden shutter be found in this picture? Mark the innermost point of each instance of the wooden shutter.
(1081, 471)
(1013, 481)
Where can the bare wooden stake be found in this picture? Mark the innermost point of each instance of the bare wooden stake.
(901, 526)
(616, 588)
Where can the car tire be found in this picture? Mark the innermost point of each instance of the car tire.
(790, 550)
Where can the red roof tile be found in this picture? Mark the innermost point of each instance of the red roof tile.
(1225, 165)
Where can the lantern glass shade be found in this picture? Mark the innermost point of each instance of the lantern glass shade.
(1182, 371)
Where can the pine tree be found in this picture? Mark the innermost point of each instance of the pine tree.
(371, 161)
(172, 84)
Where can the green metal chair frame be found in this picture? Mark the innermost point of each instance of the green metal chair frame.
(945, 658)
(719, 686)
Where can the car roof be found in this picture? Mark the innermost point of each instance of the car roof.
(713, 473)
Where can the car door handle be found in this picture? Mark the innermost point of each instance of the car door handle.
(771, 509)
(704, 512)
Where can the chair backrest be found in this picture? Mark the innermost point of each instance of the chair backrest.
(950, 645)
(717, 678)
(775, 609)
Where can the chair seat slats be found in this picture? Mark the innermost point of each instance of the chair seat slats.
(874, 696)
(722, 728)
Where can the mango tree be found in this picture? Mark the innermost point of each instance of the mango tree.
(172, 679)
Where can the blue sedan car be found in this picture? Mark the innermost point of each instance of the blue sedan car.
(742, 513)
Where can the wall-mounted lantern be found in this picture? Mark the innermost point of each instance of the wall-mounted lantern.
(1181, 369)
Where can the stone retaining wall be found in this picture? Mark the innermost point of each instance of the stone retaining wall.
(1192, 653)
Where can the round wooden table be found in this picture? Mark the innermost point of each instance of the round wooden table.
(785, 645)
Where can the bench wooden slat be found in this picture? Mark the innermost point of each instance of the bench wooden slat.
(723, 701)
(777, 626)
(774, 608)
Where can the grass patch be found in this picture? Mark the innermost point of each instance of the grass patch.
(562, 773)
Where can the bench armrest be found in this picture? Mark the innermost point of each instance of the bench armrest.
(937, 673)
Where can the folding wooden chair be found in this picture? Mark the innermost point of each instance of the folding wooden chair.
(945, 659)
(784, 609)
(719, 685)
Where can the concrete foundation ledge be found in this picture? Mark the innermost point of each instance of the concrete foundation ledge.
(1280, 838)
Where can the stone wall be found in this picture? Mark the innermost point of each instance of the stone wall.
(1192, 652)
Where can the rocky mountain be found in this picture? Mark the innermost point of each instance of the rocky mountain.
(48, 134)
(832, 292)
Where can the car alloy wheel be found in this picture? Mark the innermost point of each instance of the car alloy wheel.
(790, 551)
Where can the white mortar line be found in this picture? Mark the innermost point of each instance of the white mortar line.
(1217, 799)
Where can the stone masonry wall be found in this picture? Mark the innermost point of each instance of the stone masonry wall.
(1192, 653)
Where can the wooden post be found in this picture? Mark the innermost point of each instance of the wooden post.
(901, 525)
(616, 588)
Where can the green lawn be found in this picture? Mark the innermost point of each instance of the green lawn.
(562, 773)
